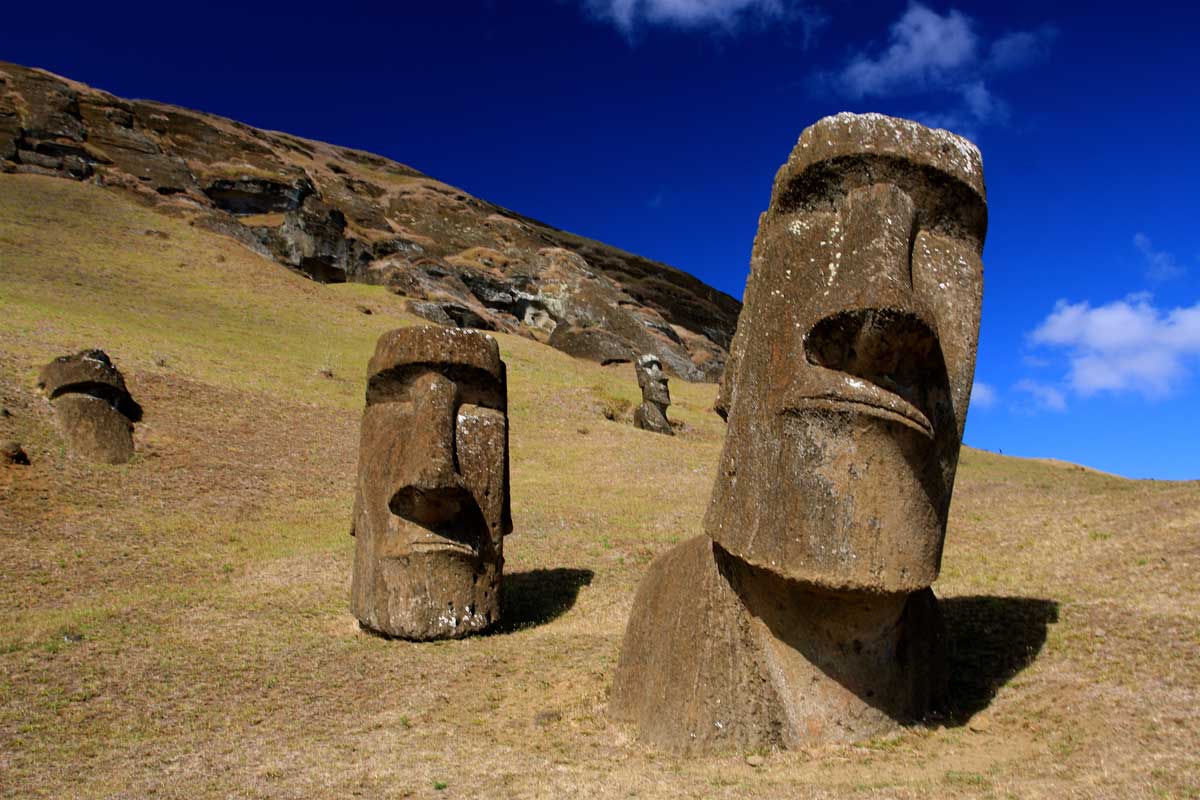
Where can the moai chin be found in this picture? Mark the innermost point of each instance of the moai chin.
(805, 613)
(432, 505)
(94, 408)
(651, 415)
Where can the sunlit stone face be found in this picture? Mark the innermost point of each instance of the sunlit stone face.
(653, 381)
(432, 505)
(852, 366)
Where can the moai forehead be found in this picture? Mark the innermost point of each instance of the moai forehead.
(851, 369)
(875, 136)
(89, 372)
(469, 358)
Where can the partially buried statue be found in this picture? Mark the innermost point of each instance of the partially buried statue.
(93, 406)
(432, 506)
(805, 613)
(651, 415)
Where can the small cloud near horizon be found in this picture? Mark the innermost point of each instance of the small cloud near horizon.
(633, 16)
(1127, 346)
(942, 56)
(1044, 395)
(983, 395)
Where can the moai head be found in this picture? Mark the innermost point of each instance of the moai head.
(432, 505)
(94, 409)
(852, 365)
(652, 380)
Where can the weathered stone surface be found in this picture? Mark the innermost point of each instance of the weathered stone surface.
(312, 239)
(93, 405)
(651, 415)
(432, 503)
(805, 615)
(12, 453)
(429, 311)
(593, 344)
(339, 214)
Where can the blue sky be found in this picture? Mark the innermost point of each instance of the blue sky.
(656, 125)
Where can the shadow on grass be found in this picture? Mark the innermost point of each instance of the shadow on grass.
(539, 596)
(988, 641)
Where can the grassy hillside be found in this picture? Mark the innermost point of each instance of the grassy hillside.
(177, 626)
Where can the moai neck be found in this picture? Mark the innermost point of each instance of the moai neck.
(832, 657)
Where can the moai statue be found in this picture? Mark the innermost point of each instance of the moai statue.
(651, 415)
(94, 409)
(432, 507)
(805, 614)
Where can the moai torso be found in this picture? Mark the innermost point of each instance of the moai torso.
(846, 394)
(432, 504)
(93, 406)
(651, 415)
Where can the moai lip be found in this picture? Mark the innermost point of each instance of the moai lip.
(431, 507)
(651, 415)
(94, 408)
(808, 613)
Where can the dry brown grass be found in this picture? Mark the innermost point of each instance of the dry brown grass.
(177, 626)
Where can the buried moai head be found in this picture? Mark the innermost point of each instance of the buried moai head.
(652, 414)
(432, 502)
(94, 409)
(852, 365)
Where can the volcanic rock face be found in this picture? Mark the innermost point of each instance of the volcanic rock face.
(335, 214)
(651, 415)
(94, 409)
(432, 504)
(808, 613)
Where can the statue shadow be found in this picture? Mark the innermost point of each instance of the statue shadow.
(539, 596)
(989, 640)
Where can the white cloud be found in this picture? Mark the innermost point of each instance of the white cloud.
(1019, 48)
(630, 16)
(944, 56)
(983, 395)
(926, 49)
(1125, 346)
(1046, 396)
(1160, 265)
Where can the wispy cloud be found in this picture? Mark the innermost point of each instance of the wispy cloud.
(1044, 395)
(633, 16)
(1021, 48)
(1126, 346)
(983, 395)
(1160, 265)
(943, 57)
(925, 49)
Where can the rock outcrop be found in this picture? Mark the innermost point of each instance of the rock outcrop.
(337, 214)
(804, 615)
(432, 504)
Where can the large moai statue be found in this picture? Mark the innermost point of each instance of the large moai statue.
(805, 613)
(93, 406)
(651, 415)
(432, 504)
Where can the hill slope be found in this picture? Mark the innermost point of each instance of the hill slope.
(338, 214)
(177, 627)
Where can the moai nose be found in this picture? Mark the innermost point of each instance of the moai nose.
(427, 484)
(874, 259)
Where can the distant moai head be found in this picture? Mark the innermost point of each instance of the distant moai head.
(651, 415)
(432, 503)
(652, 380)
(94, 408)
(851, 369)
